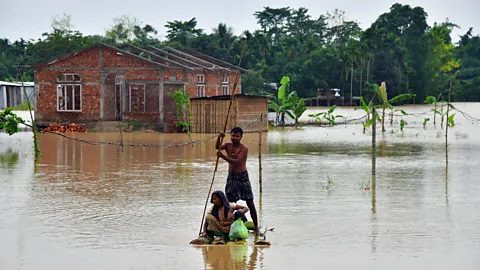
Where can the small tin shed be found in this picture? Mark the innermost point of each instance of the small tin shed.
(249, 112)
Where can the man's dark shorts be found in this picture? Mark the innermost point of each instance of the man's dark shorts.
(238, 187)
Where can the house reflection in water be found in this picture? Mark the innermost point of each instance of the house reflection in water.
(330, 97)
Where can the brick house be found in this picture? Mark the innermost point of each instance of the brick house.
(105, 83)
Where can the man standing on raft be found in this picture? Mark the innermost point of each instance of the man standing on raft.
(238, 185)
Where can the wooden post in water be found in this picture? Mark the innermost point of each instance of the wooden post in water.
(374, 146)
(446, 124)
(374, 142)
(260, 155)
(121, 134)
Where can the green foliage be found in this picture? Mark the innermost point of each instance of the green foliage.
(451, 121)
(327, 116)
(430, 100)
(284, 87)
(9, 159)
(136, 126)
(400, 98)
(253, 83)
(184, 112)
(379, 93)
(442, 113)
(9, 122)
(183, 32)
(370, 121)
(25, 106)
(316, 52)
(364, 106)
(425, 121)
(402, 124)
(36, 145)
(287, 102)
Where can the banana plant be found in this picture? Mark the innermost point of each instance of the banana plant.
(281, 107)
(433, 100)
(386, 103)
(397, 99)
(287, 102)
(368, 111)
(402, 124)
(298, 107)
(425, 121)
(393, 111)
(442, 113)
(380, 93)
(328, 116)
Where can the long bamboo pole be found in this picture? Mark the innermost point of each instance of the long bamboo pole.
(35, 141)
(232, 96)
(260, 156)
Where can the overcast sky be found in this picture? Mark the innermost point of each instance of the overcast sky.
(28, 19)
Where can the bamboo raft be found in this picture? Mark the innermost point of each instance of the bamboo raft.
(250, 226)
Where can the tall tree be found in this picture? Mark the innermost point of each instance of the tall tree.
(183, 32)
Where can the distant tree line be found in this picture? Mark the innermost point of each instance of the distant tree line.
(322, 52)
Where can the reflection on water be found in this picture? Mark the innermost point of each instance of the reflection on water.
(96, 207)
(232, 256)
(9, 159)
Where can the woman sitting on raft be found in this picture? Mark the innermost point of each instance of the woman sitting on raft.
(220, 217)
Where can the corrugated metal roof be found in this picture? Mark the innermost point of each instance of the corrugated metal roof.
(16, 83)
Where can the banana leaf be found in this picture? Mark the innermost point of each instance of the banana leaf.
(330, 111)
(425, 121)
(451, 122)
(401, 97)
(364, 106)
(283, 88)
(368, 123)
(290, 114)
(383, 93)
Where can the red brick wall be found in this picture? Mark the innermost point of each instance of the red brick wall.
(113, 59)
(142, 75)
(87, 58)
(213, 83)
(142, 116)
(168, 73)
(152, 102)
(46, 109)
(50, 76)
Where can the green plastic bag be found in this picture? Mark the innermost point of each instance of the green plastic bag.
(238, 230)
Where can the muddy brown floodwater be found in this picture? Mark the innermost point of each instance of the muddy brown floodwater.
(95, 207)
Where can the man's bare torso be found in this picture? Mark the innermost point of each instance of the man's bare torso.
(237, 151)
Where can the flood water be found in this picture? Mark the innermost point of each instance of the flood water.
(88, 206)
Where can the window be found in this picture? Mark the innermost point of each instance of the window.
(200, 78)
(200, 90)
(119, 81)
(69, 93)
(225, 90)
(137, 98)
(68, 77)
(173, 78)
(225, 79)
